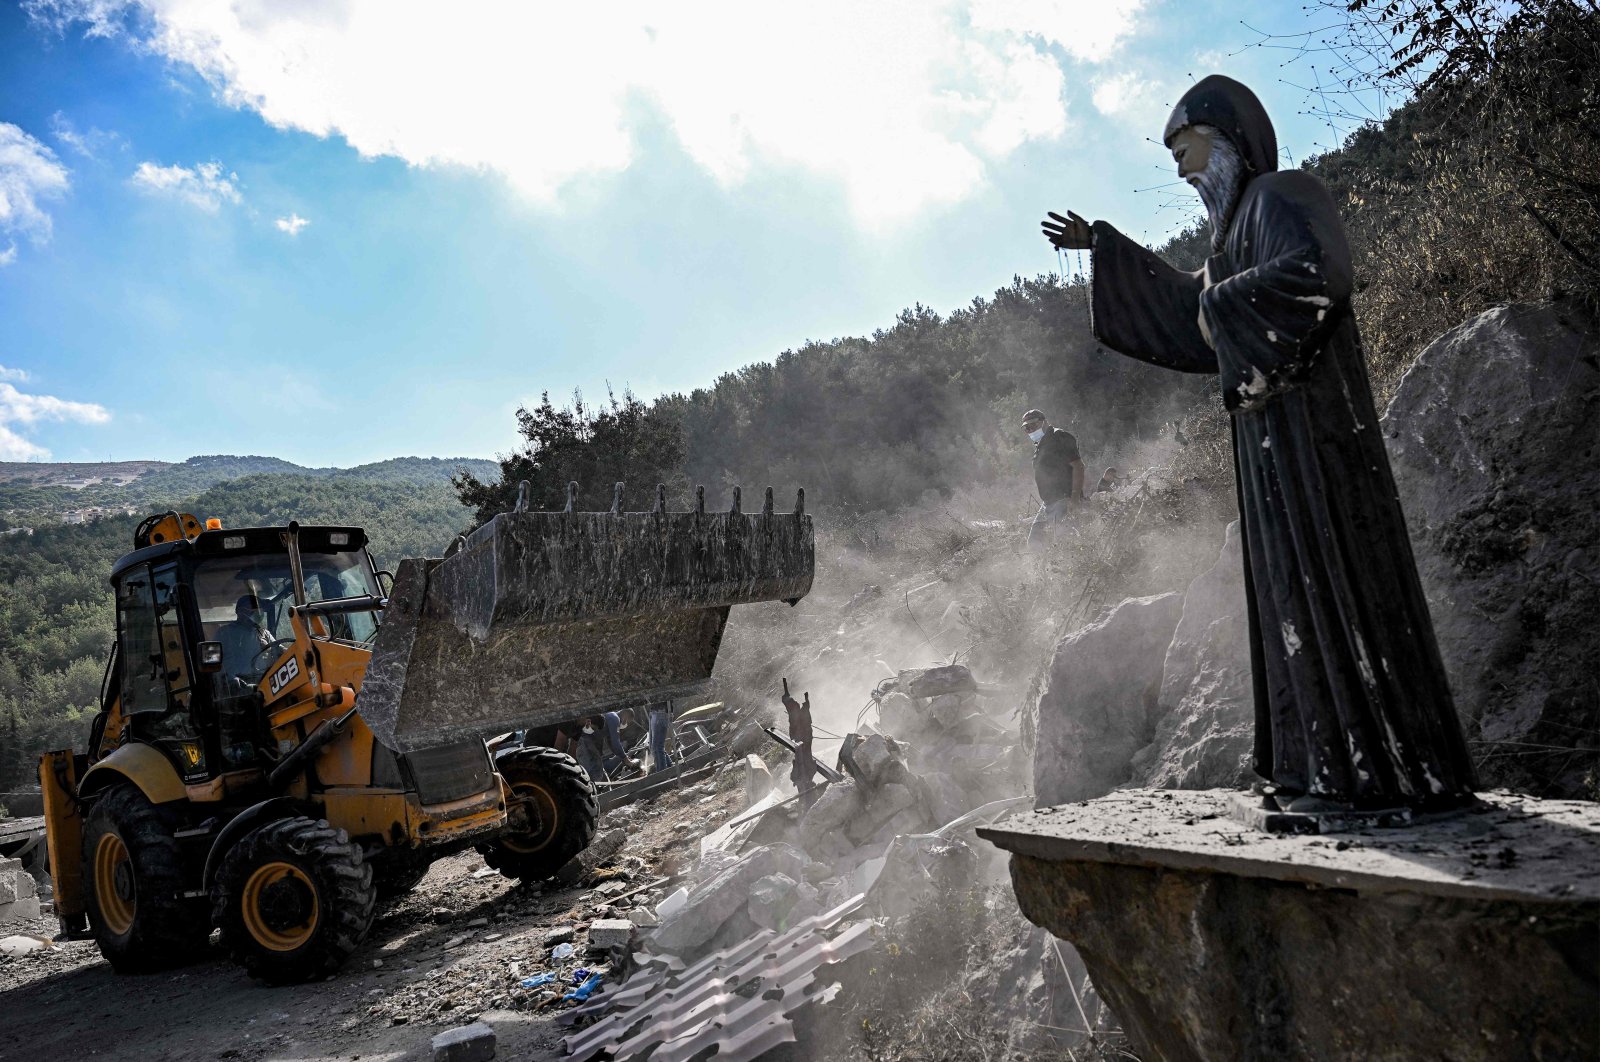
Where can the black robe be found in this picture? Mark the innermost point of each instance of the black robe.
(1351, 697)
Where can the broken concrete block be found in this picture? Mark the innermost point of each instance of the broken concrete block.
(933, 681)
(879, 759)
(716, 901)
(467, 1043)
(757, 779)
(771, 898)
(644, 918)
(888, 802)
(607, 933)
(559, 935)
(583, 864)
(672, 904)
(898, 714)
(19, 910)
(942, 798)
(839, 804)
(948, 710)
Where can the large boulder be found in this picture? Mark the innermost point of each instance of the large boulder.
(1098, 706)
(1495, 451)
(1207, 707)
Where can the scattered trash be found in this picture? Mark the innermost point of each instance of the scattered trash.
(537, 980)
(15, 946)
(563, 952)
(583, 991)
(581, 974)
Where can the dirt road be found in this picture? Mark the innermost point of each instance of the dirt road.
(451, 951)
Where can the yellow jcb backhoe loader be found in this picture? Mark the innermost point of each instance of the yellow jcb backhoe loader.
(287, 733)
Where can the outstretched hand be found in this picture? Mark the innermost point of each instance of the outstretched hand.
(1070, 233)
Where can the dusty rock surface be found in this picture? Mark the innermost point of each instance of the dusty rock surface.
(1099, 704)
(1494, 447)
(1206, 707)
(1470, 939)
(450, 952)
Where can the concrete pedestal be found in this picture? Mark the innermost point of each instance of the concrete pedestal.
(1475, 937)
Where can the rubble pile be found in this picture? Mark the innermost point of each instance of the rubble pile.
(809, 854)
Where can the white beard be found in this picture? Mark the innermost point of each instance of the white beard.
(1219, 184)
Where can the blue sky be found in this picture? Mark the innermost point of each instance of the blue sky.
(339, 232)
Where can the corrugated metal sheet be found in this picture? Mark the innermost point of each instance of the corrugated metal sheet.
(739, 1000)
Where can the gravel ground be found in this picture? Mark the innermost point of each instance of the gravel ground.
(450, 952)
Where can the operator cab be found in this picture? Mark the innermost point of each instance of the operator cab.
(186, 599)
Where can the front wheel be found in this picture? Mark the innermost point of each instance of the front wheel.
(293, 900)
(554, 812)
(134, 876)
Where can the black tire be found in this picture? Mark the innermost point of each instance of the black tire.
(142, 923)
(293, 900)
(395, 876)
(560, 820)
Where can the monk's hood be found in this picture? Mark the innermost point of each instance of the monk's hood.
(1229, 106)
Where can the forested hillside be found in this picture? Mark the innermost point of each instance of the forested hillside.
(55, 602)
(31, 493)
(1478, 191)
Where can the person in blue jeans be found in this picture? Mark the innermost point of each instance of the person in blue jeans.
(660, 725)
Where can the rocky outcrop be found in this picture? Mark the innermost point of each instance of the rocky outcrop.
(1473, 939)
(1495, 451)
(1206, 707)
(1099, 704)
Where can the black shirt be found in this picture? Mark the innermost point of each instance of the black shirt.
(1053, 456)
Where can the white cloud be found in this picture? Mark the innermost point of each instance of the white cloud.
(904, 103)
(29, 172)
(20, 411)
(291, 224)
(15, 375)
(88, 143)
(205, 186)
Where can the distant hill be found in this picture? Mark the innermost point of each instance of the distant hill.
(76, 492)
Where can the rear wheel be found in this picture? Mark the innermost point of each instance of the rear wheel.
(553, 815)
(134, 877)
(293, 900)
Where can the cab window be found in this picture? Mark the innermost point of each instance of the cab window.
(144, 686)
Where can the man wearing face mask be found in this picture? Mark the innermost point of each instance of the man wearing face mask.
(1057, 472)
(1353, 710)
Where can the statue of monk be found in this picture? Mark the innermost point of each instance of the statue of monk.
(1353, 710)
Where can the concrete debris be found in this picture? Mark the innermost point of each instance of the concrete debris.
(19, 893)
(584, 863)
(468, 1043)
(607, 933)
(716, 901)
(932, 681)
(918, 867)
(644, 918)
(672, 904)
(757, 779)
(560, 935)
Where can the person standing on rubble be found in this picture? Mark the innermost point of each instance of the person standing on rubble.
(1057, 472)
(660, 727)
(805, 765)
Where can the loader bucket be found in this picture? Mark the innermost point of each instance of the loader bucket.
(544, 617)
